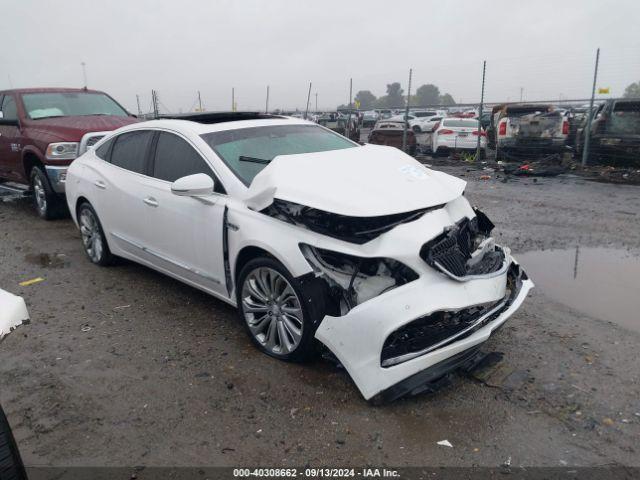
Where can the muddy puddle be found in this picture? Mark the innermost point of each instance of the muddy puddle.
(601, 282)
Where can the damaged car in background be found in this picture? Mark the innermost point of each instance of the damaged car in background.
(320, 243)
(527, 129)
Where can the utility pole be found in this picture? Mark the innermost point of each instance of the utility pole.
(478, 151)
(84, 74)
(348, 129)
(521, 91)
(154, 100)
(266, 106)
(138, 102)
(233, 99)
(587, 133)
(406, 114)
(316, 102)
(306, 112)
(199, 101)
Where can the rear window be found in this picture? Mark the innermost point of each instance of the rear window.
(625, 118)
(246, 151)
(130, 150)
(459, 122)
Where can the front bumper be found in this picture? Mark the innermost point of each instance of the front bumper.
(57, 177)
(357, 338)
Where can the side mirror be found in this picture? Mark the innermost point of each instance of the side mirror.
(198, 185)
(12, 122)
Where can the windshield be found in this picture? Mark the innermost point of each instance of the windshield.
(248, 150)
(68, 104)
(625, 118)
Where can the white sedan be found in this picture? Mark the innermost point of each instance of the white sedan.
(454, 134)
(314, 238)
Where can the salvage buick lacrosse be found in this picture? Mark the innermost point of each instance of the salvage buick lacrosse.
(318, 241)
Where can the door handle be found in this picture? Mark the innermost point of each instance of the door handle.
(100, 184)
(152, 202)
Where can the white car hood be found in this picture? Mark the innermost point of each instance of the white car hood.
(362, 181)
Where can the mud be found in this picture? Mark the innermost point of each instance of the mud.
(123, 366)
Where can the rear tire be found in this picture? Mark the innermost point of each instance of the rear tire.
(11, 466)
(47, 203)
(94, 240)
(416, 129)
(280, 323)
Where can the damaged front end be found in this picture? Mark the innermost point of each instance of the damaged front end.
(353, 280)
(358, 230)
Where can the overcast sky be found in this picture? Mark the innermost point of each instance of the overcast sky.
(178, 47)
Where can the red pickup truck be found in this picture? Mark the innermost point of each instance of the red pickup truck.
(42, 130)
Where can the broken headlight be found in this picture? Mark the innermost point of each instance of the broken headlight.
(353, 280)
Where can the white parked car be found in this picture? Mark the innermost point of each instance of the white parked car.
(458, 134)
(425, 124)
(314, 238)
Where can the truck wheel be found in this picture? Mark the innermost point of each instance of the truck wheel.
(45, 200)
(11, 467)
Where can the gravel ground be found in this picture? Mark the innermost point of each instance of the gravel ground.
(123, 366)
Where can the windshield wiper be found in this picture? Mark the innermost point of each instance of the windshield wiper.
(244, 158)
(48, 116)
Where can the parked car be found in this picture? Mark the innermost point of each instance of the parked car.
(615, 132)
(312, 237)
(42, 130)
(455, 133)
(369, 118)
(425, 124)
(338, 123)
(390, 133)
(528, 128)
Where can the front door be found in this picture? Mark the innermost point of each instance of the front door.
(184, 233)
(10, 140)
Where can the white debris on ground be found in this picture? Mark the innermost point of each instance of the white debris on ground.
(444, 443)
(13, 312)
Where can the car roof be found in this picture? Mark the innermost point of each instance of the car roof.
(50, 90)
(200, 128)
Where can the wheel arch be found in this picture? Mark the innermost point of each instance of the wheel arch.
(31, 159)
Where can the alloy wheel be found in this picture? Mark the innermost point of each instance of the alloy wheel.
(40, 194)
(91, 236)
(272, 310)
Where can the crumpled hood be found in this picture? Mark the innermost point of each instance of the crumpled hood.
(365, 181)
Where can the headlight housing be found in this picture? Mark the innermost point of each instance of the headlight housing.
(353, 280)
(62, 151)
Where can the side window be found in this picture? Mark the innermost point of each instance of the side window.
(9, 109)
(130, 150)
(175, 159)
(103, 150)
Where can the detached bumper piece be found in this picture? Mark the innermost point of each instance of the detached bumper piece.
(465, 251)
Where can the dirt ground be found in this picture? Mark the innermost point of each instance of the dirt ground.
(123, 366)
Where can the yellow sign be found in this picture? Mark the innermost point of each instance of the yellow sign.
(603, 90)
(357, 103)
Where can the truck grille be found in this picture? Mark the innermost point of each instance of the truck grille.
(89, 140)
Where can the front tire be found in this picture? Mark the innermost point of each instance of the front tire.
(94, 240)
(273, 309)
(46, 202)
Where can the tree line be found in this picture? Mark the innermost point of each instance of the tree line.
(427, 94)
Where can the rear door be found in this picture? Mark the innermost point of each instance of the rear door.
(184, 234)
(118, 190)
(10, 140)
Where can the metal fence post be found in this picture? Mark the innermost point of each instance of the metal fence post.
(348, 129)
(484, 68)
(306, 112)
(587, 133)
(406, 114)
